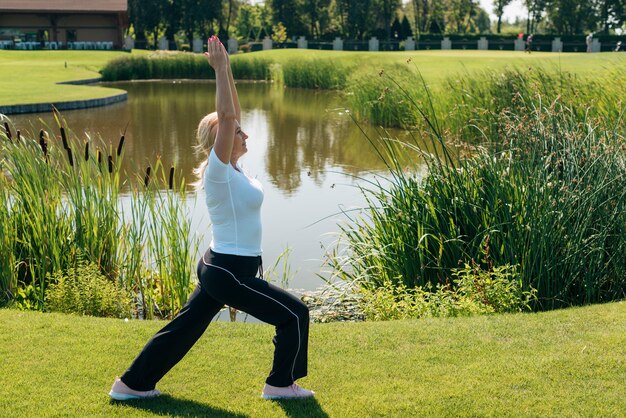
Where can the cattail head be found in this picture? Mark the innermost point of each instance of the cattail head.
(86, 151)
(8, 130)
(69, 156)
(64, 138)
(19, 135)
(120, 146)
(171, 177)
(110, 164)
(42, 143)
(99, 157)
(146, 180)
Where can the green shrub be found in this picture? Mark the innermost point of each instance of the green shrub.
(477, 292)
(315, 74)
(167, 65)
(85, 291)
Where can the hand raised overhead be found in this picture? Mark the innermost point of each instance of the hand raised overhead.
(216, 54)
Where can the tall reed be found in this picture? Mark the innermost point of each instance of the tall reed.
(546, 193)
(467, 100)
(62, 204)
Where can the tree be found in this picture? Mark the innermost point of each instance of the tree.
(396, 30)
(385, 9)
(611, 13)
(536, 9)
(461, 14)
(315, 15)
(482, 21)
(421, 14)
(287, 13)
(498, 10)
(147, 20)
(357, 17)
(279, 33)
(570, 17)
(406, 28)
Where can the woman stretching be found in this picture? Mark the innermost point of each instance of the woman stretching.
(227, 271)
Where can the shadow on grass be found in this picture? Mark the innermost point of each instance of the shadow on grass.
(168, 406)
(297, 408)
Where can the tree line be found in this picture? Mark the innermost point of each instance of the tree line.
(360, 19)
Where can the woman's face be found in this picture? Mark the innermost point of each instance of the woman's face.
(239, 143)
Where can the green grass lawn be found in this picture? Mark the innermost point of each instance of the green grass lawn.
(437, 65)
(31, 76)
(562, 363)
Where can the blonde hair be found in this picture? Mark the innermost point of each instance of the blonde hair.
(205, 136)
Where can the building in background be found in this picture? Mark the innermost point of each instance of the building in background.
(63, 21)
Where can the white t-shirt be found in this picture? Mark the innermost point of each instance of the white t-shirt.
(234, 202)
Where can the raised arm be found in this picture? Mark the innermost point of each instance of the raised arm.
(233, 90)
(226, 111)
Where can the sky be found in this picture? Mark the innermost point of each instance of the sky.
(513, 10)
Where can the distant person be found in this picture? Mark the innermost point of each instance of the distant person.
(589, 41)
(618, 47)
(227, 271)
(529, 43)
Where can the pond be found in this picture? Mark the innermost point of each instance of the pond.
(305, 149)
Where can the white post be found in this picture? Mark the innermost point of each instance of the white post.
(409, 44)
(373, 44)
(557, 45)
(196, 45)
(596, 45)
(446, 43)
(163, 44)
(233, 45)
(483, 44)
(303, 43)
(520, 45)
(338, 44)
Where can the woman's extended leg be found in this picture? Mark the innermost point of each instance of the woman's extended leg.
(168, 346)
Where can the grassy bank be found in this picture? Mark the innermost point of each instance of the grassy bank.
(31, 76)
(561, 363)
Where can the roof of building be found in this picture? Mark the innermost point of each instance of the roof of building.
(63, 6)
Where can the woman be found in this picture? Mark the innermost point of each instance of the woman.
(227, 271)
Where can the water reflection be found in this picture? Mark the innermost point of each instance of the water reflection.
(307, 131)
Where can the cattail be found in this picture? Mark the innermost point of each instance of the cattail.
(171, 177)
(64, 138)
(86, 151)
(146, 180)
(69, 157)
(110, 164)
(120, 146)
(19, 135)
(99, 157)
(6, 128)
(42, 143)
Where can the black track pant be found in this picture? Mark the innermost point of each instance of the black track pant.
(228, 280)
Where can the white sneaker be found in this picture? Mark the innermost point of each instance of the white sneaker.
(289, 392)
(121, 392)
